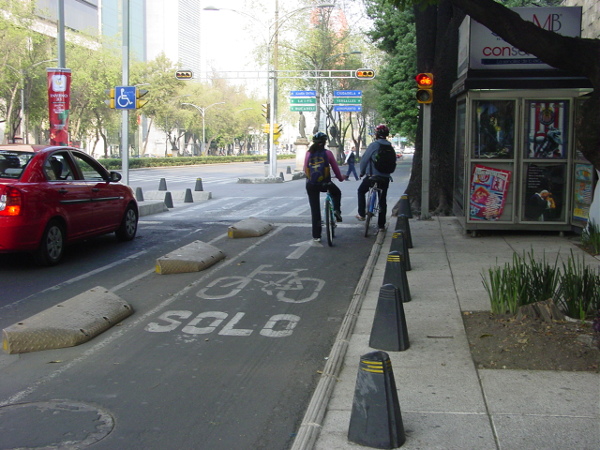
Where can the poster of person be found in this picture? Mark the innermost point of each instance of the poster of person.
(489, 188)
(583, 191)
(547, 129)
(494, 129)
(544, 193)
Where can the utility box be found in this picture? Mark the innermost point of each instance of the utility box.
(516, 162)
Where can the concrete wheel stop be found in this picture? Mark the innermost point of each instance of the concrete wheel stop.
(193, 257)
(67, 324)
(250, 227)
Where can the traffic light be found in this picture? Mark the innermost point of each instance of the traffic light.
(365, 74)
(425, 85)
(139, 93)
(111, 98)
(184, 74)
(277, 132)
(266, 111)
(266, 128)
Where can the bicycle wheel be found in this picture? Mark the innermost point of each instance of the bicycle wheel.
(329, 222)
(369, 212)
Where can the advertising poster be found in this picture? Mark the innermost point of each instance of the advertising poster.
(489, 51)
(494, 129)
(544, 192)
(489, 188)
(583, 191)
(59, 90)
(547, 129)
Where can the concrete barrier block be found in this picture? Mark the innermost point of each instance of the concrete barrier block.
(193, 257)
(250, 227)
(67, 324)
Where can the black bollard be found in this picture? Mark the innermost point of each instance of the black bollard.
(289, 170)
(404, 224)
(400, 244)
(189, 198)
(281, 175)
(198, 185)
(139, 195)
(162, 185)
(395, 274)
(404, 206)
(168, 200)
(376, 420)
(389, 326)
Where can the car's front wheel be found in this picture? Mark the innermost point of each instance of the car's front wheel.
(128, 227)
(52, 246)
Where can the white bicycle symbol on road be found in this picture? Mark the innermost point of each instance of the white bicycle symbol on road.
(123, 100)
(287, 286)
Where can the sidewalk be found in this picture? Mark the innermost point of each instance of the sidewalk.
(445, 401)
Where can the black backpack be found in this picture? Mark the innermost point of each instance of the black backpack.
(384, 159)
(317, 170)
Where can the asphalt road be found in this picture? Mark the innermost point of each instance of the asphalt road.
(219, 359)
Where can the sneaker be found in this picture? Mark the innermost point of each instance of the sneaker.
(338, 216)
(381, 229)
(317, 239)
(359, 217)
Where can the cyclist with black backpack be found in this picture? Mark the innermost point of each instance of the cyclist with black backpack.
(317, 164)
(377, 164)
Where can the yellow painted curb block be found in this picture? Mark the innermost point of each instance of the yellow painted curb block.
(67, 324)
(193, 257)
(250, 227)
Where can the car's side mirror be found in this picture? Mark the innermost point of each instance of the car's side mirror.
(115, 177)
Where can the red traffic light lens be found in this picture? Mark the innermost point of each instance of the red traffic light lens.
(424, 80)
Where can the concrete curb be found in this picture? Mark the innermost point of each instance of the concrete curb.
(198, 196)
(250, 227)
(67, 324)
(193, 257)
(313, 419)
(260, 180)
(147, 208)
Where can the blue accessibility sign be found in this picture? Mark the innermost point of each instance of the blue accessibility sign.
(347, 93)
(125, 97)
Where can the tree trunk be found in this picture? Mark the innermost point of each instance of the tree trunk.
(437, 43)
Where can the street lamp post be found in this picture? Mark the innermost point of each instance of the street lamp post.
(272, 40)
(202, 111)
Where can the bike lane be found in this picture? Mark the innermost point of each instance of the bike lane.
(224, 358)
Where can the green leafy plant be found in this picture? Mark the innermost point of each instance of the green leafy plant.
(579, 293)
(590, 238)
(575, 288)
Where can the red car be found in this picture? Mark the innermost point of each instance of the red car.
(51, 196)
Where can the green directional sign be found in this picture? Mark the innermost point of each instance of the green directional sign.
(347, 100)
(303, 100)
(307, 108)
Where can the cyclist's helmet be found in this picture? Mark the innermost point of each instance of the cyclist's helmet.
(319, 137)
(382, 131)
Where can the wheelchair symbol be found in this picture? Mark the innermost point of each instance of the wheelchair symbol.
(123, 99)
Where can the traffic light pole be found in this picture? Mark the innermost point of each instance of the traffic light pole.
(426, 163)
(125, 112)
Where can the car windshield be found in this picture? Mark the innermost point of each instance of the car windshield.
(12, 163)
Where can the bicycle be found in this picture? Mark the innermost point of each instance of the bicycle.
(330, 221)
(372, 205)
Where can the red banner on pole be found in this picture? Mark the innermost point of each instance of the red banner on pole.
(59, 91)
